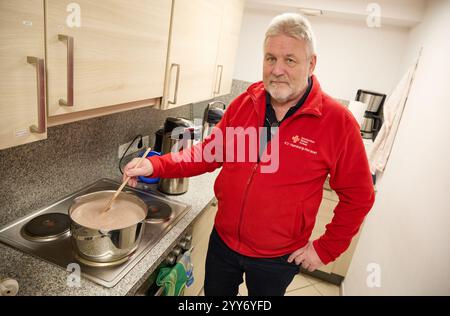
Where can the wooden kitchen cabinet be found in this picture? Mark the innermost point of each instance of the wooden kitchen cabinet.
(233, 11)
(22, 68)
(104, 53)
(200, 239)
(203, 42)
(194, 38)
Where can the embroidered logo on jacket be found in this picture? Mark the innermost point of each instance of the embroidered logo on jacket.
(301, 143)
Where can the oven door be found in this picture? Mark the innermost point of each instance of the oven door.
(150, 287)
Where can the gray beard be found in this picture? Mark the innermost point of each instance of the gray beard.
(276, 96)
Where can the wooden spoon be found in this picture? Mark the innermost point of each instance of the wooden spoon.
(126, 181)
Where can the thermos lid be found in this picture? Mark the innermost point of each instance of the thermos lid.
(185, 127)
(214, 115)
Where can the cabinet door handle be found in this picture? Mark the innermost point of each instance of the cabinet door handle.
(70, 56)
(41, 128)
(220, 78)
(177, 82)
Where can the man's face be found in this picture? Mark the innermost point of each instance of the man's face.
(287, 67)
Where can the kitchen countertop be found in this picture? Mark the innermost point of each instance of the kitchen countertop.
(37, 277)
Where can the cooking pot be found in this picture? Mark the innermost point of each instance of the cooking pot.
(106, 246)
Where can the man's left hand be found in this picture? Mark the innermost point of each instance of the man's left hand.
(307, 257)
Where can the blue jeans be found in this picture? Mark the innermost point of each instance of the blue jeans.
(263, 276)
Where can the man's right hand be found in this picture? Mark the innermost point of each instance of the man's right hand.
(145, 169)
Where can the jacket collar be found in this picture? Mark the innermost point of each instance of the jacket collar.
(312, 105)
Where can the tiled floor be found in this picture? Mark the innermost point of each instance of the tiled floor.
(303, 285)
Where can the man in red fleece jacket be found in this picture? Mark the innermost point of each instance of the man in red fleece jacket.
(269, 192)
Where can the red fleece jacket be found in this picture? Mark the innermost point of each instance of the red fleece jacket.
(269, 214)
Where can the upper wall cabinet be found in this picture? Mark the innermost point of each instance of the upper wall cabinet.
(194, 38)
(102, 53)
(233, 11)
(22, 69)
(203, 42)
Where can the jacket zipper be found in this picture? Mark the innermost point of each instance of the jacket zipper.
(241, 213)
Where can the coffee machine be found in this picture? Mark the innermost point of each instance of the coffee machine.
(373, 116)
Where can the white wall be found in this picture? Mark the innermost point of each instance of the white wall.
(407, 232)
(351, 56)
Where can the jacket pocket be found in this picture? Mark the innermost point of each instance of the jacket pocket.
(299, 223)
(218, 188)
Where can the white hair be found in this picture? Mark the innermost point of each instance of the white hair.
(293, 25)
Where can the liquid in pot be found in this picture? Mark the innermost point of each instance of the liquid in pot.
(122, 214)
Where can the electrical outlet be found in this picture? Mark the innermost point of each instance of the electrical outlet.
(134, 148)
